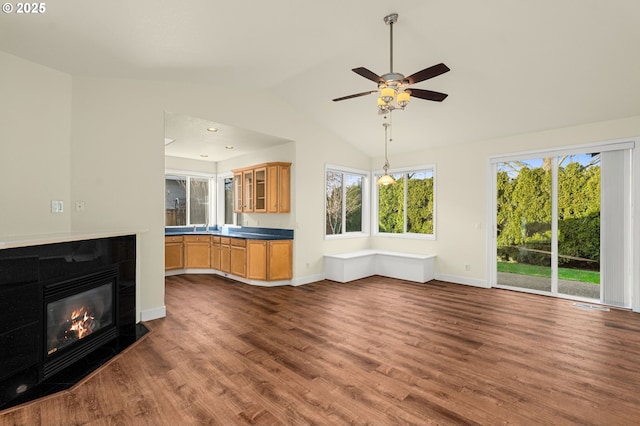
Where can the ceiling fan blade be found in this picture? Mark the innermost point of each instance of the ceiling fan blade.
(427, 73)
(428, 95)
(368, 74)
(355, 96)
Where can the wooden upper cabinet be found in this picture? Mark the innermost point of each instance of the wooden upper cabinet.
(284, 188)
(260, 190)
(263, 188)
(237, 192)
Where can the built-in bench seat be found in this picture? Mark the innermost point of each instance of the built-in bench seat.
(345, 267)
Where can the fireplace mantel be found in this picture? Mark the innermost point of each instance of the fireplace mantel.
(14, 241)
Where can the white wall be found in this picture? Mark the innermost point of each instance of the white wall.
(462, 175)
(35, 124)
(187, 164)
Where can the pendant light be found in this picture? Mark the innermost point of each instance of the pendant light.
(386, 179)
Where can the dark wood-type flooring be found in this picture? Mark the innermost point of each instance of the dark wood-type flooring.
(373, 351)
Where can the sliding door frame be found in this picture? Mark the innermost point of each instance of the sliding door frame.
(632, 212)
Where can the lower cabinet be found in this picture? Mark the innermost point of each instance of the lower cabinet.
(215, 253)
(257, 260)
(280, 257)
(225, 254)
(238, 257)
(173, 252)
(197, 251)
(270, 260)
(264, 260)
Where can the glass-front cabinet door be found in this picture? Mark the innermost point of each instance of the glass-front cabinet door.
(248, 191)
(237, 192)
(260, 190)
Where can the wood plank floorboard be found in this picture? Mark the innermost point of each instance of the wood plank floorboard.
(375, 351)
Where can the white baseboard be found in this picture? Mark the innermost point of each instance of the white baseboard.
(307, 279)
(462, 280)
(154, 313)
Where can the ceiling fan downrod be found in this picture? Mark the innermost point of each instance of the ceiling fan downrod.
(390, 20)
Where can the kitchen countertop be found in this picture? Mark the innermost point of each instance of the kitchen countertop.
(247, 233)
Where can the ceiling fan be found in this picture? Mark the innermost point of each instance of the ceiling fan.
(393, 86)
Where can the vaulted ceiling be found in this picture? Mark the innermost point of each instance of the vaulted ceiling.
(516, 66)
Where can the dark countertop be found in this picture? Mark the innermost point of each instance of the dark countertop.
(245, 232)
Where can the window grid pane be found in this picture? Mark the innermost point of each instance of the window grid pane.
(353, 204)
(420, 203)
(407, 207)
(198, 201)
(333, 213)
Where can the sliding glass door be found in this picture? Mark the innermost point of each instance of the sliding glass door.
(562, 223)
(524, 218)
(579, 225)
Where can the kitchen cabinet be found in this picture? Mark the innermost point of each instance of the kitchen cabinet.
(260, 184)
(225, 254)
(280, 257)
(263, 188)
(197, 251)
(279, 188)
(270, 260)
(173, 252)
(257, 260)
(238, 256)
(215, 252)
(263, 260)
(237, 192)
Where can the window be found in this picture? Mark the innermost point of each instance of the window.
(345, 201)
(407, 207)
(187, 200)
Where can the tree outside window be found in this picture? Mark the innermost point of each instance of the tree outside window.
(407, 207)
(343, 202)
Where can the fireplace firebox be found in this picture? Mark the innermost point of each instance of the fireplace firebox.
(80, 316)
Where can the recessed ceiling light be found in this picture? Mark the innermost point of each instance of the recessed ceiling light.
(228, 147)
(212, 129)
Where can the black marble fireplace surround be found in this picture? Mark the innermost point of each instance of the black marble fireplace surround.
(103, 272)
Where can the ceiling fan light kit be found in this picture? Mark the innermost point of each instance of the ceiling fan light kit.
(393, 87)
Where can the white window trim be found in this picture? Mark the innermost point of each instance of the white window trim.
(374, 197)
(366, 203)
(220, 199)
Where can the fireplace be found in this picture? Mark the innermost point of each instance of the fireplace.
(79, 316)
(66, 309)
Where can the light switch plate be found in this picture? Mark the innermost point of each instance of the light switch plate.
(57, 206)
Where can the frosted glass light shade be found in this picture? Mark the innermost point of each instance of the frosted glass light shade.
(385, 180)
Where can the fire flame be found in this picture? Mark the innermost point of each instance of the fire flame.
(81, 322)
